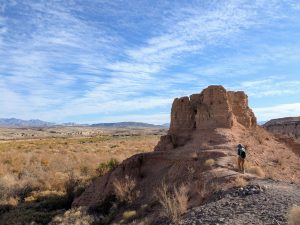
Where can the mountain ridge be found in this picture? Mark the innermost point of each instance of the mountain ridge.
(14, 122)
(286, 126)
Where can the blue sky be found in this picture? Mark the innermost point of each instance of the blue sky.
(106, 61)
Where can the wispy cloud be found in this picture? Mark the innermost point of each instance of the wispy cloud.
(277, 111)
(62, 59)
(192, 29)
(271, 86)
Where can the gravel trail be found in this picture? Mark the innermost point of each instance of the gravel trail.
(263, 202)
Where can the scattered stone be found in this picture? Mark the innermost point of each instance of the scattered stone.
(268, 207)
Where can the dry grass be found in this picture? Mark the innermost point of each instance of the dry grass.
(240, 182)
(294, 216)
(74, 216)
(60, 166)
(174, 202)
(209, 162)
(256, 170)
(47, 162)
(204, 189)
(125, 189)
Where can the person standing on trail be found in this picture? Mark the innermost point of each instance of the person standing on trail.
(241, 150)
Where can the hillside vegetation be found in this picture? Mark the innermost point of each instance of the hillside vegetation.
(40, 177)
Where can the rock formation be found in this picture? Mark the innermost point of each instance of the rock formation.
(213, 108)
(203, 126)
(289, 126)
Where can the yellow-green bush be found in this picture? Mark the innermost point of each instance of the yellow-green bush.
(105, 167)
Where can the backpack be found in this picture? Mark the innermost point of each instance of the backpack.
(242, 153)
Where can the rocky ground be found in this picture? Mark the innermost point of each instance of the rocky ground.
(263, 202)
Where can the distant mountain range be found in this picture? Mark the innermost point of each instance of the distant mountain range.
(13, 122)
(126, 124)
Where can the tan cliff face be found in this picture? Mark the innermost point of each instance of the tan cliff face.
(213, 108)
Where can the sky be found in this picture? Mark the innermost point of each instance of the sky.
(90, 61)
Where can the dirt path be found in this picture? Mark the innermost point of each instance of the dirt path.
(263, 202)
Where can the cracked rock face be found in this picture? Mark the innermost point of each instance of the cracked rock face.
(213, 108)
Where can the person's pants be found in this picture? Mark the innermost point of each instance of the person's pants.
(241, 164)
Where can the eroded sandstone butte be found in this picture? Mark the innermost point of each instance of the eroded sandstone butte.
(213, 108)
(203, 126)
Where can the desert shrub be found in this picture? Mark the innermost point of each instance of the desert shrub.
(84, 170)
(13, 188)
(256, 170)
(240, 182)
(6, 182)
(105, 167)
(73, 188)
(78, 215)
(114, 146)
(294, 216)
(204, 188)
(125, 189)
(70, 187)
(174, 202)
(37, 171)
(209, 162)
(24, 190)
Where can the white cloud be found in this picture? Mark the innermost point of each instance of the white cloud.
(253, 84)
(65, 64)
(246, 63)
(194, 32)
(271, 86)
(277, 111)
